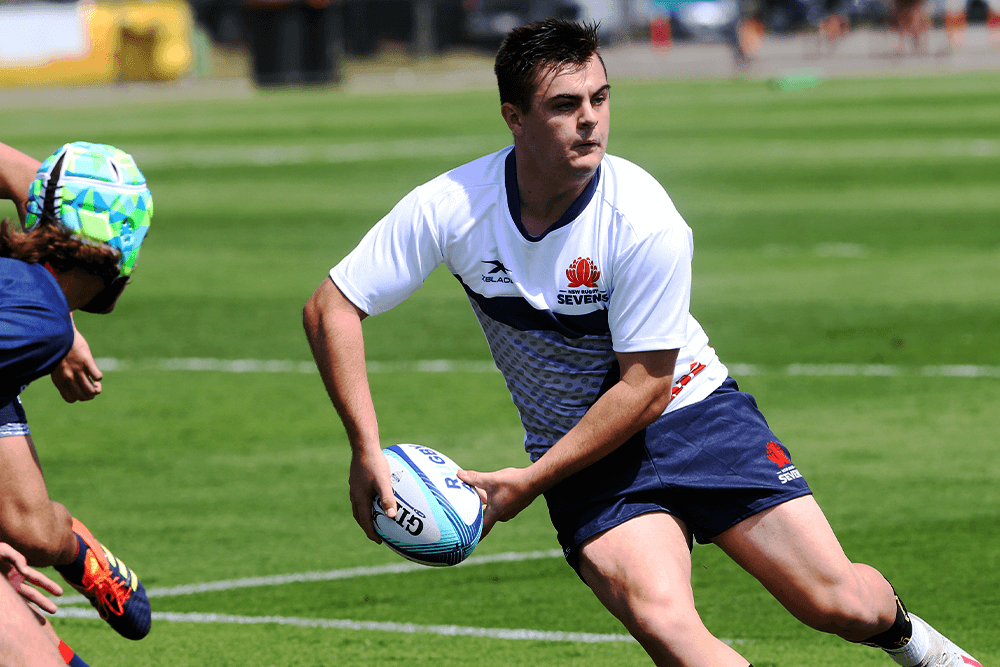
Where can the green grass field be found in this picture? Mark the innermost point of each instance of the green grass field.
(847, 263)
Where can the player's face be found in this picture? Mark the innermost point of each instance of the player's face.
(567, 126)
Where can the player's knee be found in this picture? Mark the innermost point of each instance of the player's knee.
(660, 617)
(40, 536)
(841, 610)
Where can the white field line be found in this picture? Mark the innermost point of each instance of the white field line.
(331, 575)
(200, 156)
(458, 366)
(406, 628)
(66, 611)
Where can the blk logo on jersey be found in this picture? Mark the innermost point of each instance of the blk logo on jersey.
(498, 274)
(786, 471)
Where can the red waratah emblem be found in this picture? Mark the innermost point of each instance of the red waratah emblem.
(582, 273)
(777, 455)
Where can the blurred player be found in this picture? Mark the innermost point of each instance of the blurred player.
(25, 636)
(956, 21)
(578, 267)
(87, 211)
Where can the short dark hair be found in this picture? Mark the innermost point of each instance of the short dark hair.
(53, 244)
(551, 44)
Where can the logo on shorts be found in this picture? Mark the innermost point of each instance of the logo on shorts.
(777, 455)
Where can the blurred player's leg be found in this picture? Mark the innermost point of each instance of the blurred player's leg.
(23, 640)
(641, 571)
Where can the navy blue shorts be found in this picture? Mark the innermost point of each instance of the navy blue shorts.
(711, 464)
(13, 421)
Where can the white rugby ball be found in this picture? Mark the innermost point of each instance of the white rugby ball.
(439, 518)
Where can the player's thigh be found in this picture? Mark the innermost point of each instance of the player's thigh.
(792, 550)
(642, 562)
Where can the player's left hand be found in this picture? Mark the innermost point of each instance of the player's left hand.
(14, 566)
(504, 493)
(77, 376)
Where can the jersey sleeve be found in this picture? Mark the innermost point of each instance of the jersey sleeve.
(649, 306)
(393, 259)
(36, 331)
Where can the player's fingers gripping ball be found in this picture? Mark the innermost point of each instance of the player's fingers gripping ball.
(98, 193)
(439, 518)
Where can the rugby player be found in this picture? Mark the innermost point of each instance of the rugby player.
(77, 252)
(638, 438)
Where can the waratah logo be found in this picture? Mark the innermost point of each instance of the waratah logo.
(777, 455)
(582, 273)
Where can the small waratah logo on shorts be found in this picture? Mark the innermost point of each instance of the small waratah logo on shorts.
(582, 273)
(786, 471)
(777, 455)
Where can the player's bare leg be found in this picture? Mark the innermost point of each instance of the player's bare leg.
(24, 639)
(29, 521)
(794, 553)
(641, 571)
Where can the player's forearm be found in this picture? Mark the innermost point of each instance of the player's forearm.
(618, 415)
(17, 171)
(333, 328)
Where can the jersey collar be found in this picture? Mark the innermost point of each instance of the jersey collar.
(514, 199)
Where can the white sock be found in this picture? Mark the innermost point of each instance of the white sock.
(915, 650)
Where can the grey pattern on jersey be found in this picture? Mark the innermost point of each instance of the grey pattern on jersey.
(552, 380)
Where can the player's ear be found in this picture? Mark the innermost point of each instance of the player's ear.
(512, 116)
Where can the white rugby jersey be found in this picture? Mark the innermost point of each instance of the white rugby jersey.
(612, 275)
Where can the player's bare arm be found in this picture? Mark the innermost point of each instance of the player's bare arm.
(634, 402)
(333, 328)
(17, 171)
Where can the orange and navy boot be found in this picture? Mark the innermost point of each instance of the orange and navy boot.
(112, 588)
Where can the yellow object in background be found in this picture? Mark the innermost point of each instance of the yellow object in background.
(88, 43)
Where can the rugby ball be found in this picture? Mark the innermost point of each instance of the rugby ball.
(439, 518)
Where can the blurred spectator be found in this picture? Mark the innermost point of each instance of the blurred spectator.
(956, 16)
(912, 23)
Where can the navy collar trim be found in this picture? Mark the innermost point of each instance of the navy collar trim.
(514, 199)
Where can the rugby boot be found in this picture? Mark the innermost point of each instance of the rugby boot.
(943, 652)
(113, 589)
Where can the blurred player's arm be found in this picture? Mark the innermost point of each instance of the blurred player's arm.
(77, 376)
(333, 327)
(17, 171)
(633, 403)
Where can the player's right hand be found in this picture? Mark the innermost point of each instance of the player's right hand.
(369, 479)
(77, 376)
(15, 568)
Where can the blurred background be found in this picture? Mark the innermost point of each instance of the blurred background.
(388, 43)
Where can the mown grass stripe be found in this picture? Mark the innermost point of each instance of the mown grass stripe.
(463, 366)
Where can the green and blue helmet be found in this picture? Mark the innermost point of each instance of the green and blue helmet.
(98, 193)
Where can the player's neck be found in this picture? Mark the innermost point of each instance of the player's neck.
(544, 199)
(79, 286)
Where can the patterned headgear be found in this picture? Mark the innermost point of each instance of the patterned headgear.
(98, 193)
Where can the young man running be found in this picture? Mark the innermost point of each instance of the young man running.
(638, 438)
(87, 210)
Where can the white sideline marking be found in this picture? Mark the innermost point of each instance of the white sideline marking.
(406, 628)
(331, 575)
(395, 568)
(200, 157)
(460, 366)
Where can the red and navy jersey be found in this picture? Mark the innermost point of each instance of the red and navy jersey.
(36, 330)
